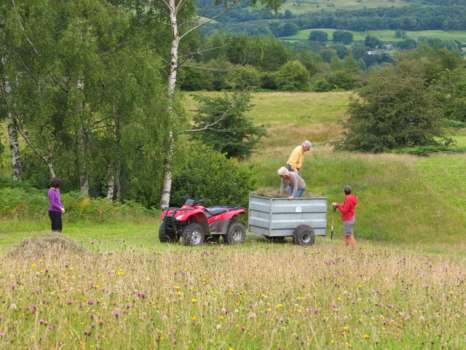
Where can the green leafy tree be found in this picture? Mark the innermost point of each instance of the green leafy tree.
(207, 175)
(373, 42)
(318, 36)
(393, 110)
(222, 123)
(293, 76)
(342, 37)
(243, 77)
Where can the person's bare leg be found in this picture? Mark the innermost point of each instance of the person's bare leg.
(353, 241)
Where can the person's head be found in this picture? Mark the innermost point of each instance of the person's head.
(283, 172)
(307, 145)
(55, 182)
(347, 189)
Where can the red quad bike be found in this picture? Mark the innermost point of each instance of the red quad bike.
(196, 224)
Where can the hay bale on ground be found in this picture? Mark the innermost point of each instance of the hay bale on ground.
(51, 244)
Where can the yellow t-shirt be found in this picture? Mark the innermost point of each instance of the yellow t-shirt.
(296, 158)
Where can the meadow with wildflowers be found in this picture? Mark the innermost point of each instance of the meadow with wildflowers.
(259, 296)
(108, 283)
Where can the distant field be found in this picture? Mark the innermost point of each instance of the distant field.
(386, 35)
(303, 6)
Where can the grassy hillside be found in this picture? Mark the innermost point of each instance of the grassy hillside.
(403, 198)
(385, 35)
(303, 6)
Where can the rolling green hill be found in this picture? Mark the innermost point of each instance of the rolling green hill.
(385, 35)
(304, 6)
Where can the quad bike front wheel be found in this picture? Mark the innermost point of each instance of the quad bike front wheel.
(236, 233)
(193, 235)
(167, 236)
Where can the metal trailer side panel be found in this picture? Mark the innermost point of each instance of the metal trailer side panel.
(280, 216)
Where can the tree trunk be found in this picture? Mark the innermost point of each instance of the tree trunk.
(114, 185)
(110, 185)
(167, 179)
(83, 174)
(82, 146)
(12, 126)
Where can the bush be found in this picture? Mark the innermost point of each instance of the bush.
(394, 110)
(373, 42)
(243, 77)
(343, 37)
(26, 202)
(318, 36)
(293, 76)
(207, 175)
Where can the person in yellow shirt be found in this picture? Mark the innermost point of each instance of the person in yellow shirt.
(296, 159)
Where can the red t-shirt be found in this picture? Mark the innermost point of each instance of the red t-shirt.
(347, 209)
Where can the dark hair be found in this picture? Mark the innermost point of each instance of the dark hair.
(55, 182)
(347, 189)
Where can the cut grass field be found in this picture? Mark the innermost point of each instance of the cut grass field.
(402, 288)
(387, 36)
(304, 6)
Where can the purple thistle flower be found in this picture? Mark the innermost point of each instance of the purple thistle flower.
(42, 322)
(116, 313)
(33, 308)
(2, 334)
(90, 302)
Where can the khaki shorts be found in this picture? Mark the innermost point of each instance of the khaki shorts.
(348, 227)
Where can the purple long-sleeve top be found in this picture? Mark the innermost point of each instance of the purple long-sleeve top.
(55, 200)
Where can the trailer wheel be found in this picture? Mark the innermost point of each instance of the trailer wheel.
(166, 236)
(236, 233)
(193, 234)
(304, 235)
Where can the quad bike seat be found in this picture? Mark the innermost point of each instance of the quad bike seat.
(212, 211)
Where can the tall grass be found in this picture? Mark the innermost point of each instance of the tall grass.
(272, 297)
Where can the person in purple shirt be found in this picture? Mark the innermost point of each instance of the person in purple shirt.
(56, 208)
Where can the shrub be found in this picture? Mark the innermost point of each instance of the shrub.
(207, 175)
(318, 36)
(343, 37)
(393, 110)
(243, 77)
(26, 202)
(293, 76)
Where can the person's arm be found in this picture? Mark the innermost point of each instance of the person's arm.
(295, 186)
(62, 208)
(343, 208)
(282, 186)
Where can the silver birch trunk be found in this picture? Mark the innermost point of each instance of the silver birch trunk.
(12, 127)
(82, 147)
(167, 179)
(111, 185)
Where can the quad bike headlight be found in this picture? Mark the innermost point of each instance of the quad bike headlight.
(179, 217)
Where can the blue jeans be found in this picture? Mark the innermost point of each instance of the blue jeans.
(299, 192)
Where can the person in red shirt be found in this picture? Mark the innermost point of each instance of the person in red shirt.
(348, 216)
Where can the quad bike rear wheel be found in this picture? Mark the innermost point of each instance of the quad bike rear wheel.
(167, 236)
(193, 235)
(236, 233)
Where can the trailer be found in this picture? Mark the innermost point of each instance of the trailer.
(277, 218)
